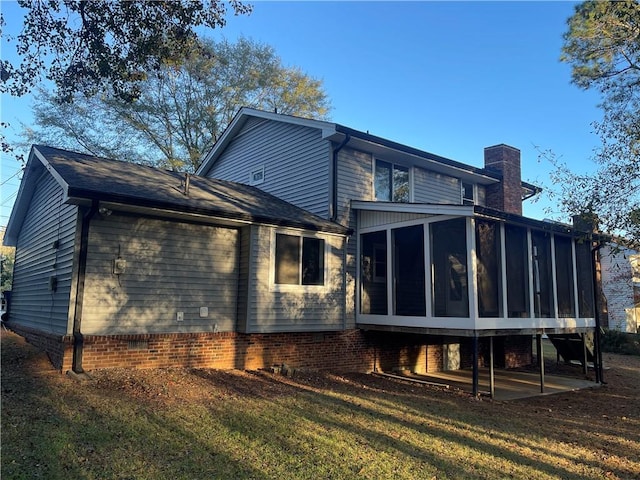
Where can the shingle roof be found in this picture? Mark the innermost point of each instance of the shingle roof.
(94, 178)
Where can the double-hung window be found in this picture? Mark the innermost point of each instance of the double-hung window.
(468, 194)
(299, 260)
(391, 182)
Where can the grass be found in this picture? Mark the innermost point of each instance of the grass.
(205, 424)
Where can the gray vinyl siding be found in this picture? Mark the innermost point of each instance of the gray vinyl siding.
(373, 219)
(355, 182)
(48, 220)
(295, 160)
(431, 187)
(170, 267)
(293, 308)
(243, 277)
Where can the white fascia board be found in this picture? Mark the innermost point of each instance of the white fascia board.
(52, 171)
(240, 119)
(426, 208)
(36, 164)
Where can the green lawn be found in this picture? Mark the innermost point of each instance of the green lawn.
(205, 424)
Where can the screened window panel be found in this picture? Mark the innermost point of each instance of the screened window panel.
(373, 273)
(517, 268)
(564, 277)
(489, 276)
(542, 275)
(584, 276)
(409, 273)
(449, 266)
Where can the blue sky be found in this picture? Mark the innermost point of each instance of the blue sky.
(447, 77)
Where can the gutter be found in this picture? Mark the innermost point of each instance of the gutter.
(76, 196)
(535, 190)
(78, 338)
(334, 179)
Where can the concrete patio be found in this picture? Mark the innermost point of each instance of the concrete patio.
(509, 384)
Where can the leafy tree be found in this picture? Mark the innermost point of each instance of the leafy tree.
(86, 47)
(83, 46)
(182, 108)
(7, 257)
(602, 44)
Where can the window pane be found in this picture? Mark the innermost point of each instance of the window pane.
(449, 257)
(400, 184)
(383, 181)
(585, 279)
(489, 274)
(287, 259)
(516, 253)
(467, 194)
(408, 269)
(542, 275)
(373, 268)
(564, 277)
(312, 261)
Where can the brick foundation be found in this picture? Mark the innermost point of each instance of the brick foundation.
(59, 348)
(350, 350)
(518, 351)
(346, 350)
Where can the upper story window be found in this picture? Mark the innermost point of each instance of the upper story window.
(468, 194)
(391, 182)
(299, 260)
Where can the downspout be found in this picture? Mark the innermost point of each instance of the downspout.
(334, 179)
(78, 339)
(333, 218)
(597, 346)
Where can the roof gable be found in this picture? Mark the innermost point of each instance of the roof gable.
(85, 178)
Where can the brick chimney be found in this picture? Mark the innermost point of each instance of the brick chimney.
(506, 195)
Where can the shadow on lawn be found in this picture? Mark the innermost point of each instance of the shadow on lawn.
(262, 425)
(55, 428)
(424, 414)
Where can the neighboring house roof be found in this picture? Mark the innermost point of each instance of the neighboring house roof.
(85, 178)
(361, 140)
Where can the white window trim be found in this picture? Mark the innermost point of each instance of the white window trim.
(253, 172)
(393, 164)
(474, 190)
(286, 287)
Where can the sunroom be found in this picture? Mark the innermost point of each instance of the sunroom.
(470, 269)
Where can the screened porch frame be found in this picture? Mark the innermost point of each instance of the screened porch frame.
(386, 216)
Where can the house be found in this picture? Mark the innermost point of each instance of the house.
(620, 270)
(298, 241)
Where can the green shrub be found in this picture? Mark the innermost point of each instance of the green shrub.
(614, 341)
